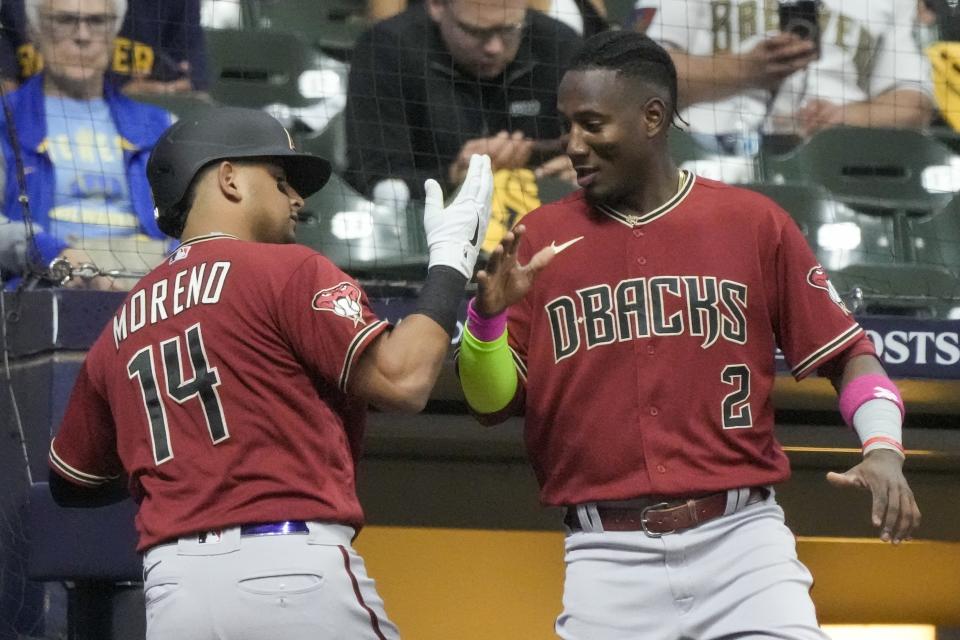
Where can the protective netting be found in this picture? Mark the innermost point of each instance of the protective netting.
(858, 144)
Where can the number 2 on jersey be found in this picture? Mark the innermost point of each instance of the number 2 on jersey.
(736, 404)
(203, 385)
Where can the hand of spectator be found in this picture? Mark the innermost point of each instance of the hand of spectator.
(79, 259)
(9, 85)
(817, 114)
(560, 166)
(506, 151)
(775, 58)
(143, 83)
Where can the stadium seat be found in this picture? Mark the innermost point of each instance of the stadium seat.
(875, 170)
(331, 143)
(256, 68)
(331, 25)
(361, 237)
(684, 148)
(181, 106)
(552, 188)
(924, 291)
(689, 154)
(936, 239)
(838, 235)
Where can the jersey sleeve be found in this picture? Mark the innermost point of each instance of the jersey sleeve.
(813, 325)
(84, 450)
(326, 317)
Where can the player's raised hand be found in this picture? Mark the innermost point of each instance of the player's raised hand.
(455, 232)
(505, 281)
(894, 508)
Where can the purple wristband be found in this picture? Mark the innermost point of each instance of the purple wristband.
(482, 328)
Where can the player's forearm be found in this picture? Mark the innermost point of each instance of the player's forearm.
(399, 370)
(906, 108)
(709, 78)
(858, 366)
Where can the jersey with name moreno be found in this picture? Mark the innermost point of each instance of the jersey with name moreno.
(646, 347)
(219, 389)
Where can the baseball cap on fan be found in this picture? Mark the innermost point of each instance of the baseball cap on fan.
(226, 133)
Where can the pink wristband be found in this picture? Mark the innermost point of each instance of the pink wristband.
(483, 328)
(869, 387)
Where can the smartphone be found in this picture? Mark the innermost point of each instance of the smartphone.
(801, 17)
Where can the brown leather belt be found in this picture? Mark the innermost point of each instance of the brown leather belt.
(658, 518)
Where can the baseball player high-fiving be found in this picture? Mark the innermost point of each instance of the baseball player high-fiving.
(229, 391)
(634, 325)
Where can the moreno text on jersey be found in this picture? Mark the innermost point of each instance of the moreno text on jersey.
(199, 284)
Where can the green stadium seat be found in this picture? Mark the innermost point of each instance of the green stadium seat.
(256, 68)
(331, 143)
(838, 235)
(362, 238)
(925, 291)
(180, 105)
(331, 25)
(684, 148)
(876, 170)
(936, 239)
(552, 188)
(689, 154)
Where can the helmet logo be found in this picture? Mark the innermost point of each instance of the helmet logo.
(343, 300)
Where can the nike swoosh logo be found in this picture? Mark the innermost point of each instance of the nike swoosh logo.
(557, 248)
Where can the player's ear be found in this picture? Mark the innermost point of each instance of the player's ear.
(655, 116)
(228, 180)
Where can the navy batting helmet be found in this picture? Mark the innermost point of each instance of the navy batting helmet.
(223, 133)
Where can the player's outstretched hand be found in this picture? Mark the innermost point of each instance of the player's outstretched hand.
(455, 233)
(505, 281)
(895, 509)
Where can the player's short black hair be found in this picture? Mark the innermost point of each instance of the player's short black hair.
(630, 54)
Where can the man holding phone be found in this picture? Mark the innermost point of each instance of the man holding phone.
(795, 67)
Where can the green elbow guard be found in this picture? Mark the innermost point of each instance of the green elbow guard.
(487, 373)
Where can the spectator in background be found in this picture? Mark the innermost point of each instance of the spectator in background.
(449, 78)
(739, 74)
(586, 17)
(159, 48)
(84, 146)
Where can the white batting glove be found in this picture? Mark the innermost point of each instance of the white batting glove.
(455, 233)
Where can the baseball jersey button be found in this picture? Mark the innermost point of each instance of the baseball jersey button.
(637, 233)
(654, 411)
(641, 260)
(650, 349)
(661, 468)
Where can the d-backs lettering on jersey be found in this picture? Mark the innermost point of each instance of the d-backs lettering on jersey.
(710, 309)
(219, 389)
(646, 348)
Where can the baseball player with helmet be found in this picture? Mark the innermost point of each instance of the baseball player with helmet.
(229, 391)
(634, 324)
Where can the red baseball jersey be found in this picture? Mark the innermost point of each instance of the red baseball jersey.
(219, 389)
(646, 347)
